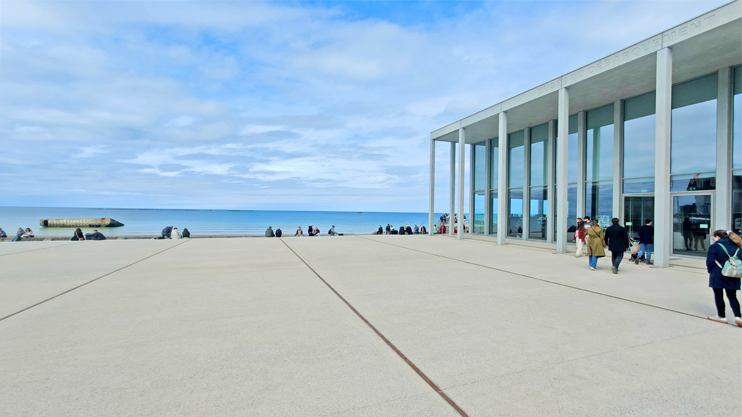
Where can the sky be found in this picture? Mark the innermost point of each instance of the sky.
(273, 105)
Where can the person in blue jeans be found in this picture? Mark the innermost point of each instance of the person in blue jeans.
(646, 242)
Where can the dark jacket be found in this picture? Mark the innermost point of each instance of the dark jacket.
(717, 254)
(97, 236)
(269, 232)
(381, 231)
(409, 230)
(186, 233)
(616, 238)
(310, 231)
(279, 233)
(167, 231)
(401, 230)
(646, 235)
(78, 236)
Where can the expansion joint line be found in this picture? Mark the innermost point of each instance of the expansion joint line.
(539, 279)
(92, 280)
(34, 250)
(414, 367)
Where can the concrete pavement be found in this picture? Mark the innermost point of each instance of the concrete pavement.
(248, 327)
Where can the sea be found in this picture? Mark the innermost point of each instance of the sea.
(205, 222)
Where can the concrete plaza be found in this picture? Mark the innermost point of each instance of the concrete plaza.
(355, 325)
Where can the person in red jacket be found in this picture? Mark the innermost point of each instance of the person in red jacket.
(579, 237)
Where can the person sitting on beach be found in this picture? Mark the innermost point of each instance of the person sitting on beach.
(2, 233)
(388, 228)
(186, 233)
(299, 232)
(28, 233)
(408, 229)
(393, 231)
(423, 230)
(166, 232)
(332, 231)
(175, 234)
(269, 232)
(18, 235)
(402, 230)
(99, 236)
(78, 235)
(316, 231)
(380, 231)
(417, 229)
(279, 233)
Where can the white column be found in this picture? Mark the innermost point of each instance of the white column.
(431, 207)
(462, 161)
(526, 183)
(663, 232)
(563, 161)
(722, 215)
(502, 180)
(617, 159)
(581, 162)
(452, 200)
(487, 188)
(472, 168)
(550, 198)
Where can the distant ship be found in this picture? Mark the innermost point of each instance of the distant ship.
(95, 222)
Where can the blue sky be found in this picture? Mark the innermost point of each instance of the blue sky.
(272, 105)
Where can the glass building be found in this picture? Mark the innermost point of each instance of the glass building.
(651, 132)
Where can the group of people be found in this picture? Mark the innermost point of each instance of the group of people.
(404, 230)
(722, 260)
(96, 235)
(19, 235)
(311, 231)
(171, 232)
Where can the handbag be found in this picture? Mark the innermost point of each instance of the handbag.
(732, 267)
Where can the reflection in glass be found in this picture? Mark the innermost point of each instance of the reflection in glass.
(693, 145)
(493, 212)
(737, 119)
(478, 213)
(639, 134)
(599, 158)
(737, 202)
(693, 182)
(479, 166)
(638, 185)
(571, 212)
(495, 163)
(637, 210)
(539, 138)
(572, 151)
(515, 218)
(538, 213)
(599, 201)
(691, 224)
(516, 159)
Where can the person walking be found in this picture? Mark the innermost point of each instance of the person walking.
(579, 237)
(646, 242)
(617, 240)
(269, 232)
(595, 244)
(725, 244)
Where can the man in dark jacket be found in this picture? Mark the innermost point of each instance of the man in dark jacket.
(646, 242)
(166, 232)
(618, 241)
(269, 232)
(97, 236)
(279, 233)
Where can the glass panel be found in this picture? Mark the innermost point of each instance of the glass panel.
(639, 133)
(599, 201)
(478, 168)
(493, 211)
(691, 224)
(737, 202)
(539, 139)
(571, 211)
(538, 207)
(495, 163)
(693, 145)
(515, 219)
(478, 213)
(599, 164)
(638, 185)
(693, 182)
(637, 210)
(516, 159)
(737, 119)
(573, 157)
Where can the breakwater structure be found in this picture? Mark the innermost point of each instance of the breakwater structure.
(94, 222)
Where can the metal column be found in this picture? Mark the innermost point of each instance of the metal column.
(462, 160)
(581, 162)
(663, 127)
(431, 206)
(526, 183)
(452, 202)
(722, 214)
(487, 188)
(472, 167)
(563, 161)
(502, 180)
(551, 178)
(617, 159)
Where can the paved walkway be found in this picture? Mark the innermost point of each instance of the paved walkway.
(360, 326)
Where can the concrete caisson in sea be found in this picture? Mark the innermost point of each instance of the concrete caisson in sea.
(94, 222)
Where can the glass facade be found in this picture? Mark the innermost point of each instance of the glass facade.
(537, 214)
(599, 201)
(493, 212)
(478, 166)
(638, 144)
(515, 218)
(737, 152)
(539, 155)
(494, 176)
(516, 159)
(478, 225)
(693, 144)
(572, 166)
(599, 155)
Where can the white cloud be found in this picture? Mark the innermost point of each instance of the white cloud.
(89, 151)
(180, 121)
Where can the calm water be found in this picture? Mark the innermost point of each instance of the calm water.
(203, 222)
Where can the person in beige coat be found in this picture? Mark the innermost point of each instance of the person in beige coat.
(595, 244)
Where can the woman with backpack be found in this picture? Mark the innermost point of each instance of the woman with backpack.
(724, 249)
(595, 244)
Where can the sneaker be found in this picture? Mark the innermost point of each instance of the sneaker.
(615, 271)
(636, 261)
(592, 269)
(719, 319)
(650, 263)
(738, 321)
